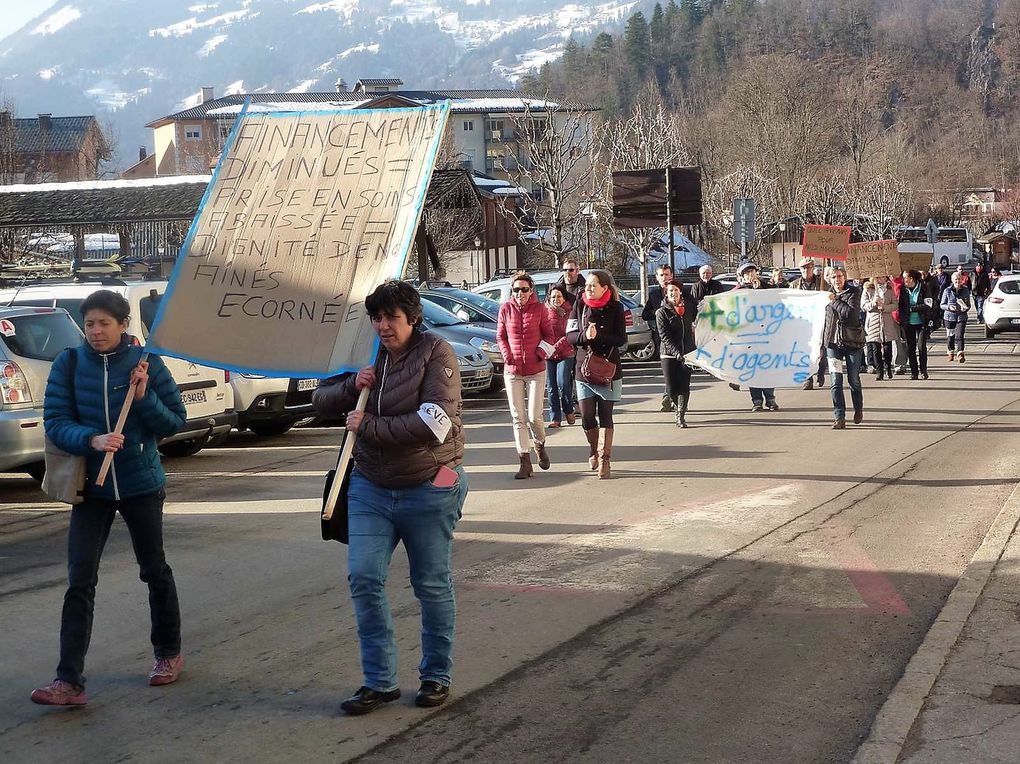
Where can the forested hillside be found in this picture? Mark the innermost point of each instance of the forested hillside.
(820, 106)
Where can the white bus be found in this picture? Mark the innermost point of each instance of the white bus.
(954, 247)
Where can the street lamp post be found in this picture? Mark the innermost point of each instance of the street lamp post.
(476, 255)
(782, 230)
(588, 212)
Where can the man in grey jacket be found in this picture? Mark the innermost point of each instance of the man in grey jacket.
(812, 282)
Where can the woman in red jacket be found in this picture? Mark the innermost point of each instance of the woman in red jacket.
(525, 336)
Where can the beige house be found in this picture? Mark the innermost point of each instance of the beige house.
(482, 123)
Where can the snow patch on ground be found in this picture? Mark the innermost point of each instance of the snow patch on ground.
(234, 88)
(107, 94)
(58, 20)
(302, 87)
(186, 27)
(212, 44)
(362, 48)
(48, 74)
(190, 102)
(342, 7)
(202, 8)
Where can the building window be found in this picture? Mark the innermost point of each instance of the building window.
(469, 126)
(193, 133)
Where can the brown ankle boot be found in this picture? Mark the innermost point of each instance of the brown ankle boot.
(543, 455)
(593, 445)
(605, 452)
(526, 470)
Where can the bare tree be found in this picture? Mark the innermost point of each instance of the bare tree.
(884, 202)
(549, 153)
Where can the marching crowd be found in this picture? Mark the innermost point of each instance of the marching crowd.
(408, 483)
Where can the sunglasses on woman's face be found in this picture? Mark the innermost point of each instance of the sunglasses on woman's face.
(522, 290)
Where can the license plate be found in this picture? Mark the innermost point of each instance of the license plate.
(307, 384)
(193, 396)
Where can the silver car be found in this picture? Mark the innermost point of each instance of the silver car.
(30, 338)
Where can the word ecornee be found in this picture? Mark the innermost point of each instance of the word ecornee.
(306, 214)
(760, 338)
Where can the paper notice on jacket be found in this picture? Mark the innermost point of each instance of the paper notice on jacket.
(760, 337)
(306, 214)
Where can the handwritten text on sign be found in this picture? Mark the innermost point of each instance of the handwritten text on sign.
(307, 213)
(760, 337)
(827, 241)
(873, 258)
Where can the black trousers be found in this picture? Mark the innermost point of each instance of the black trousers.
(879, 355)
(678, 377)
(917, 348)
(90, 528)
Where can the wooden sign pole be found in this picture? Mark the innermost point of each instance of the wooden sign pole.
(119, 427)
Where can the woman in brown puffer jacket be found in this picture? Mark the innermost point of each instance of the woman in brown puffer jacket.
(407, 486)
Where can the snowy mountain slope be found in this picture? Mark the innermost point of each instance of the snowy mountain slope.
(131, 61)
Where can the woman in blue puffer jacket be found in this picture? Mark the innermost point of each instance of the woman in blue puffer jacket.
(86, 389)
(955, 305)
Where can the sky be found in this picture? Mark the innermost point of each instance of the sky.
(17, 13)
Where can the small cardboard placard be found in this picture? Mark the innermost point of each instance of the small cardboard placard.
(826, 241)
(915, 261)
(873, 258)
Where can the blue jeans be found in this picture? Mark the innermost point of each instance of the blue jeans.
(423, 517)
(762, 395)
(853, 360)
(559, 386)
(979, 304)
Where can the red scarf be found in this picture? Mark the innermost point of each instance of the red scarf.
(600, 302)
(679, 309)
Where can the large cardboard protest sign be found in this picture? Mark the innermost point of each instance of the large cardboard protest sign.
(306, 214)
(826, 241)
(760, 337)
(915, 261)
(873, 258)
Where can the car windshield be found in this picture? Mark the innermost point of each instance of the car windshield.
(437, 316)
(41, 336)
(479, 301)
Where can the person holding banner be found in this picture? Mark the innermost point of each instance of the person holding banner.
(761, 397)
(880, 328)
(810, 281)
(674, 321)
(597, 328)
(915, 307)
(85, 391)
(955, 306)
(407, 485)
(525, 337)
(843, 337)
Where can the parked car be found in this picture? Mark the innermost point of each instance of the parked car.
(204, 390)
(270, 406)
(1002, 308)
(476, 370)
(30, 339)
(454, 329)
(639, 335)
(468, 306)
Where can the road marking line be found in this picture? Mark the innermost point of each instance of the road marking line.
(901, 709)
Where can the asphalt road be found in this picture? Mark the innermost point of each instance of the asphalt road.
(747, 590)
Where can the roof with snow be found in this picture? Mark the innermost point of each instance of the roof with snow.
(101, 202)
(52, 134)
(495, 101)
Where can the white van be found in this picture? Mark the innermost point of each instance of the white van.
(204, 390)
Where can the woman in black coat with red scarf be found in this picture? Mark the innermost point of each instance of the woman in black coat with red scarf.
(597, 327)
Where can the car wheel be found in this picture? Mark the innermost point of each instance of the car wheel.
(989, 333)
(36, 470)
(270, 429)
(647, 353)
(181, 448)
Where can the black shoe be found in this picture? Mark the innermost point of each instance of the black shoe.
(772, 405)
(431, 694)
(366, 700)
(924, 375)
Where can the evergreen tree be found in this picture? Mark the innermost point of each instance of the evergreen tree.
(636, 45)
(602, 51)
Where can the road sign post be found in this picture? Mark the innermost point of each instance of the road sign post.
(931, 231)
